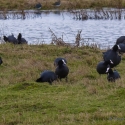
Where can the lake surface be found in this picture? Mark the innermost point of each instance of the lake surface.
(35, 28)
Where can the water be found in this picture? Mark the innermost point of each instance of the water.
(36, 28)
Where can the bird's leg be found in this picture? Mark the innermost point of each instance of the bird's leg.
(66, 79)
(60, 79)
(50, 82)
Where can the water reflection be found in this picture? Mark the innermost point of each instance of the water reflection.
(36, 24)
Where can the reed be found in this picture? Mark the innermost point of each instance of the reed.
(82, 14)
(96, 9)
(98, 14)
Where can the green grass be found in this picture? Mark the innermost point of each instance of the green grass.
(65, 4)
(87, 98)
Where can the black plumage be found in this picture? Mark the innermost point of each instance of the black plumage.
(62, 70)
(10, 39)
(121, 47)
(112, 75)
(47, 76)
(103, 65)
(121, 39)
(112, 55)
(57, 3)
(1, 61)
(21, 40)
(38, 6)
(58, 59)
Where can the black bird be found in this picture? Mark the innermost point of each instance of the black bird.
(121, 47)
(10, 39)
(103, 65)
(112, 54)
(62, 70)
(1, 61)
(58, 59)
(38, 6)
(112, 75)
(21, 40)
(47, 76)
(121, 39)
(57, 3)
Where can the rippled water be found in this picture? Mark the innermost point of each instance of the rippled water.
(36, 28)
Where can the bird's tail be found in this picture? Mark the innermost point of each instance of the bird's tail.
(38, 80)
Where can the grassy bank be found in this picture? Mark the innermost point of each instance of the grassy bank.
(65, 4)
(87, 98)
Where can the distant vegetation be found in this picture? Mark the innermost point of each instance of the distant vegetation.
(65, 4)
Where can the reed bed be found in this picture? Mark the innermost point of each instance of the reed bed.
(97, 14)
(81, 14)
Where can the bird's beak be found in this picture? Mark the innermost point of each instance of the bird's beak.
(119, 47)
(107, 70)
(64, 61)
(111, 62)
